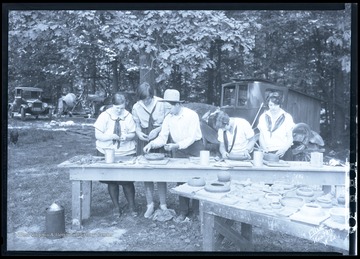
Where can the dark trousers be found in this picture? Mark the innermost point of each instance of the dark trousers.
(192, 150)
(288, 156)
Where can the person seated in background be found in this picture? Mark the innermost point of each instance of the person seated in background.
(276, 126)
(235, 135)
(148, 113)
(183, 125)
(115, 129)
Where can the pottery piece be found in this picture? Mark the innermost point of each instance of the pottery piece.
(295, 202)
(237, 157)
(271, 157)
(224, 176)
(217, 187)
(338, 214)
(154, 156)
(312, 210)
(196, 181)
(304, 191)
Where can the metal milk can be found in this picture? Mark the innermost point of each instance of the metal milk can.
(55, 221)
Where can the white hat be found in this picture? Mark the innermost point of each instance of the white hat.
(172, 95)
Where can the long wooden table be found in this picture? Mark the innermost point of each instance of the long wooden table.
(218, 218)
(181, 170)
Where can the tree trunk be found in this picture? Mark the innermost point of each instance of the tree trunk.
(147, 73)
(115, 81)
(339, 116)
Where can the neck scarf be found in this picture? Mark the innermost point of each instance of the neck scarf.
(117, 131)
(278, 122)
(226, 141)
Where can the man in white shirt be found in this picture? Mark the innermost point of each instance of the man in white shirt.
(182, 125)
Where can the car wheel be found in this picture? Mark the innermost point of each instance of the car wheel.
(10, 114)
(50, 114)
(23, 113)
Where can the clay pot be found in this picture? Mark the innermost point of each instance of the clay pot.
(311, 209)
(271, 157)
(196, 181)
(217, 187)
(338, 215)
(224, 176)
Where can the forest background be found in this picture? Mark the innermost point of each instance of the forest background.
(194, 51)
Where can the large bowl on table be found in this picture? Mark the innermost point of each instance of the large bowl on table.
(271, 157)
(238, 157)
(154, 156)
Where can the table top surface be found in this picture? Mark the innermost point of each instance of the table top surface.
(252, 198)
(193, 163)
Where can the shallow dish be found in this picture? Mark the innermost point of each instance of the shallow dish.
(312, 209)
(217, 187)
(295, 202)
(303, 191)
(154, 156)
(237, 157)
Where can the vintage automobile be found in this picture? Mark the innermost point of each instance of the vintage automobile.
(29, 101)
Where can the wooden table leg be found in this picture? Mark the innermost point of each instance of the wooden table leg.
(208, 232)
(81, 202)
(86, 199)
(76, 204)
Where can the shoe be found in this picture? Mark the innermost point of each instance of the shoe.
(180, 218)
(117, 213)
(163, 207)
(149, 211)
(134, 214)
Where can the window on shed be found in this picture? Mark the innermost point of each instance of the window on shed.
(229, 96)
(243, 95)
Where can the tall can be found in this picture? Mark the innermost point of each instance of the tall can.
(55, 221)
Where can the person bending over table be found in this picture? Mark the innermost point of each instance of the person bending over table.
(183, 126)
(115, 129)
(276, 126)
(148, 113)
(235, 135)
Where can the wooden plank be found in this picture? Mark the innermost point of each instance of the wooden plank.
(175, 172)
(225, 229)
(246, 232)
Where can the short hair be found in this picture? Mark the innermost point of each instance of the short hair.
(275, 98)
(118, 99)
(221, 119)
(145, 90)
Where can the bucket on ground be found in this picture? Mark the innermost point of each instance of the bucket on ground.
(55, 221)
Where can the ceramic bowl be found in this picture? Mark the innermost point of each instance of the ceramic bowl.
(294, 202)
(324, 202)
(275, 205)
(223, 176)
(341, 200)
(271, 157)
(274, 197)
(217, 187)
(304, 191)
(196, 181)
(312, 210)
(237, 157)
(338, 214)
(154, 156)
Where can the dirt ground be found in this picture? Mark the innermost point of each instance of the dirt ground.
(34, 182)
